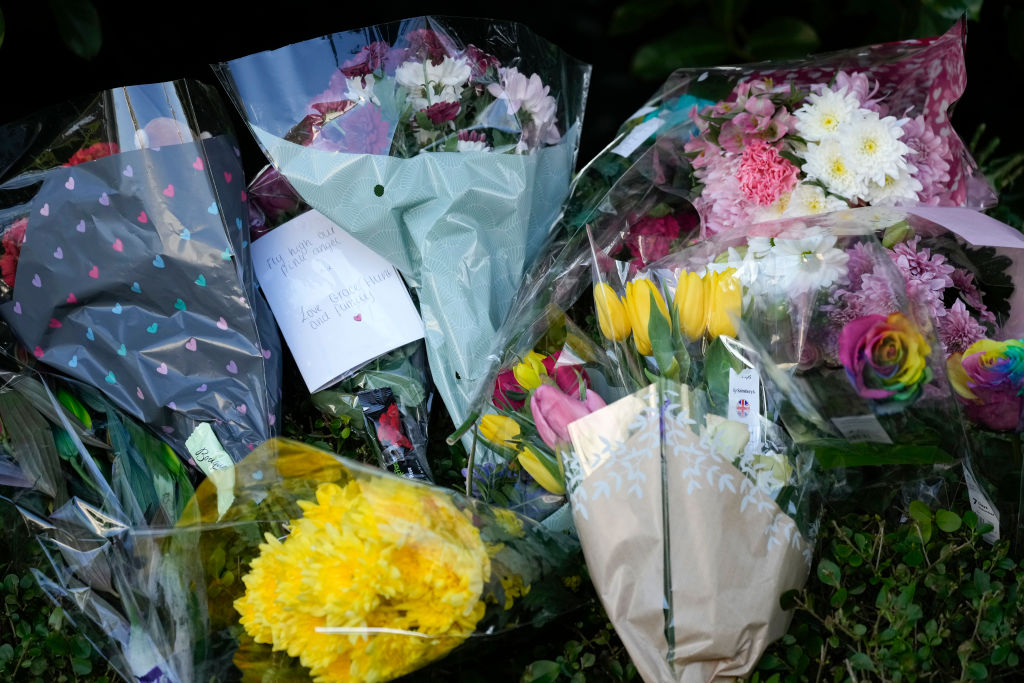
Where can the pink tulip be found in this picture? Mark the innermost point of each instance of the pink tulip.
(553, 410)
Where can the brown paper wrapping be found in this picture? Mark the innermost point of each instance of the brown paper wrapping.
(729, 550)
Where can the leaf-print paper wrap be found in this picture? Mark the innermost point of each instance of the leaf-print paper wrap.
(689, 556)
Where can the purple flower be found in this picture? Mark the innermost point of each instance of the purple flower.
(958, 329)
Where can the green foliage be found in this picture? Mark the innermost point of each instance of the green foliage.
(37, 641)
(926, 599)
(78, 24)
(692, 33)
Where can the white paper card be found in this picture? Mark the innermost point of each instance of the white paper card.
(337, 302)
(208, 453)
(857, 428)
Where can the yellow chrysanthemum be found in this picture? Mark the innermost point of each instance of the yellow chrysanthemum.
(375, 554)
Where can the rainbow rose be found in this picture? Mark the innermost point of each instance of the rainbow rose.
(886, 359)
(989, 379)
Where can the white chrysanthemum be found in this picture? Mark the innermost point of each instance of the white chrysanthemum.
(901, 187)
(809, 263)
(872, 147)
(808, 200)
(360, 90)
(823, 113)
(826, 163)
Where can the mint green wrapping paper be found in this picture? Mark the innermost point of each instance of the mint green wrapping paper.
(461, 227)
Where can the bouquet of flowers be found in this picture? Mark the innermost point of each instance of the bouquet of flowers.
(435, 142)
(313, 274)
(121, 214)
(865, 127)
(297, 564)
(533, 401)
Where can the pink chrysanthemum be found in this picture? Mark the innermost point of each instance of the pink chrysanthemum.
(861, 261)
(722, 204)
(959, 329)
(921, 266)
(929, 154)
(764, 175)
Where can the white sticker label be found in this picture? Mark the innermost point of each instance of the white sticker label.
(636, 137)
(982, 505)
(745, 402)
(857, 428)
(204, 447)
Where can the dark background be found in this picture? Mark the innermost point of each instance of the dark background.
(154, 41)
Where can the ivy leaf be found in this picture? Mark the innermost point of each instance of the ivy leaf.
(78, 24)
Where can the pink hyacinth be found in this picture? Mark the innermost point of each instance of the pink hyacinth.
(764, 175)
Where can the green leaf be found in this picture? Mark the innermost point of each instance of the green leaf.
(862, 662)
(2, 26)
(919, 512)
(828, 573)
(841, 453)
(717, 362)
(33, 445)
(977, 671)
(541, 671)
(947, 520)
(82, 667)
(689, 46)
(78, 24)
(782, 37)
(633, 15)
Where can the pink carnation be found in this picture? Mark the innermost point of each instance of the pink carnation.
(722, 204)
(764, 175)
(440, 112)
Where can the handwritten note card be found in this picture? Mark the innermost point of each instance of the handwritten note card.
(338, 303)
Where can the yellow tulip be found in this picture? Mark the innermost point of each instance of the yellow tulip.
(531, 371)
(499, 430)
(725, 301)
(542, 470)
(611, 312)
(639, 293)
(691, 304)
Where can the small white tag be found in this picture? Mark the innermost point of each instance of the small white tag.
(214, 461)
(982, 505)
(636, 137)
(857, 428)
(745, 402)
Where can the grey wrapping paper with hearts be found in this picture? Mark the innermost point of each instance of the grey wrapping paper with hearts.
(133, 274)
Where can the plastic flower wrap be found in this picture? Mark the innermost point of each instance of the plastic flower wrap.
(369, 367)
(445, 145)
(125, 260)
(90, 482)
(866, 126)
(852, 359)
